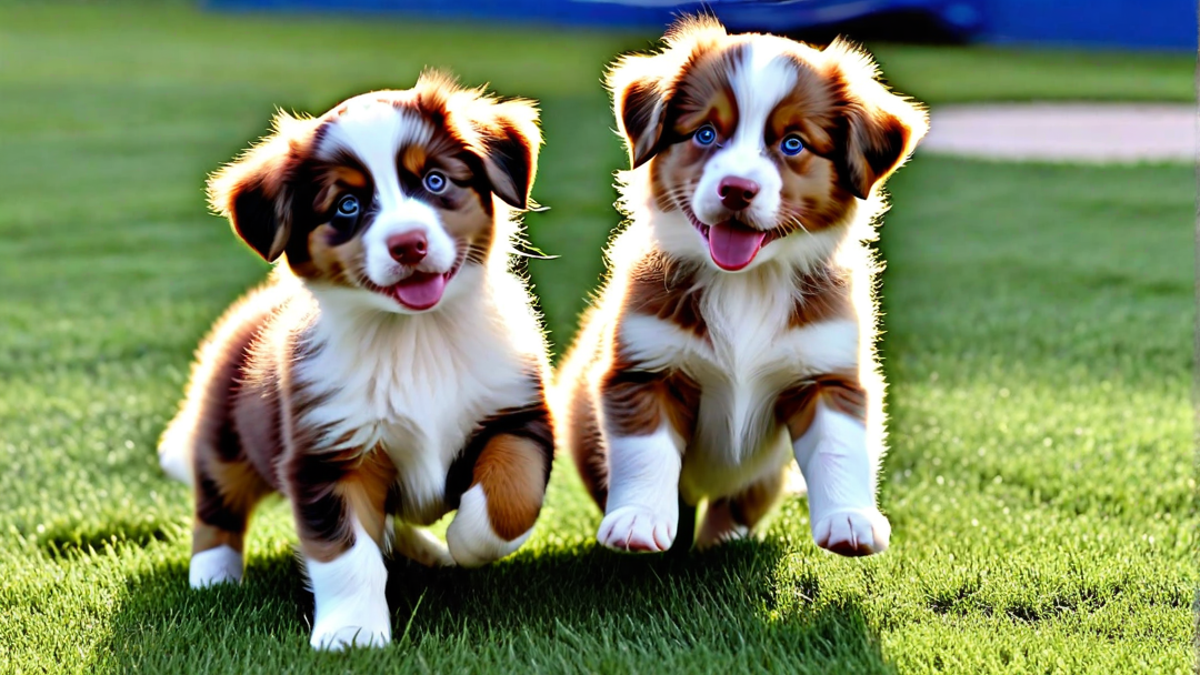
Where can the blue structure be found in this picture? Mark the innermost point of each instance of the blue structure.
(1154, 24)
(1147, 24)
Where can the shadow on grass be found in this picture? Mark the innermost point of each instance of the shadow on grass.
(570, 609)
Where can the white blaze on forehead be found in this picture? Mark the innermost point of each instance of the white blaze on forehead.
(374, 132)
(763, 79)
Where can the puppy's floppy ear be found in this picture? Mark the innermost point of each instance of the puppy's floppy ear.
(642, 85)
(881, 128)
(255, 191)
(639, 104)
(510, 139)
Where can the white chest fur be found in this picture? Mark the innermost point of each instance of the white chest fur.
(748, 357)
(415, 386)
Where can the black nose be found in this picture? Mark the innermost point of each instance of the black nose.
(736, 193)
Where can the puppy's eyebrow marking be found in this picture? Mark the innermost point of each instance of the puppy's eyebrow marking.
(349, 176)
(413, 159)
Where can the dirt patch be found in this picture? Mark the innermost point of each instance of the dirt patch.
(1101, 133)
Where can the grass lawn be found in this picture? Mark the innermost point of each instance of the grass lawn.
(1038, 344)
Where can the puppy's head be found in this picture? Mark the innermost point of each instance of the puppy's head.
(391, 195)
(754, 141)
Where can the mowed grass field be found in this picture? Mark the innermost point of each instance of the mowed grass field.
(1038, 343)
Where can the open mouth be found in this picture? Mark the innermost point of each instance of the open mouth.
(421, 290)
(732, 244)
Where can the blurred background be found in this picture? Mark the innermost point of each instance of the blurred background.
(1161, 24)
(1038, 307)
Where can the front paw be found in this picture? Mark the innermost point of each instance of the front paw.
(218, 565)
(338, 636)
(470, 537)
(853, 532)
(638, 529)
(352, 622)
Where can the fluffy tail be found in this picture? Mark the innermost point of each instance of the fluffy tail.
(175, 449)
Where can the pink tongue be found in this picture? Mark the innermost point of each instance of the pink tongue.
(733, 245)
(420, 291)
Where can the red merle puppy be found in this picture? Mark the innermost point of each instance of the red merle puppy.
(736, 332)
(392, 369)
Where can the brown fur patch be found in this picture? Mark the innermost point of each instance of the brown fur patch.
(412, 159)
(586, 441)
(333, 261)
(329, 489)
(842, 392)
(813, 196)
(663, 288)
(352, 177)
(512, 471)
(636, 402)
(365, 491)
(876, 130)
(820, 296)
(703, 93)
(206, 537)
(240, 485)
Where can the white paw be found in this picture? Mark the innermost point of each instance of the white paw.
(215, 566)
(418, 545)
(853, 532)
(638, 529)
(349, 605)
(471, 539)
(368, 625)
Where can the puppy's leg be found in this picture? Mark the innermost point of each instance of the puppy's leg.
(735, 517)
(418, 545)
(226, 494)
(647, 418)
(827, 422)
(586, 441)
(642, 512)
(338, 500)
(496, 513)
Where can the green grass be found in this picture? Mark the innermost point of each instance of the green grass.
(1040, 482)
(957, 75)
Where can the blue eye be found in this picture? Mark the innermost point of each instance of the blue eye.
(435, 182)
(346, 216)
(348, 207)
(791, 145)
(705, 135)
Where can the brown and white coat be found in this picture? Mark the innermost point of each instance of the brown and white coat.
(392, 367)
(737, 328)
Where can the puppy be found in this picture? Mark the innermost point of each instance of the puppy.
(392, 368)
(737, 327)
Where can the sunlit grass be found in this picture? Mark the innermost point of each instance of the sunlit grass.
(1038, 324)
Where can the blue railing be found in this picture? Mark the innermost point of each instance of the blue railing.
(1160, 24)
